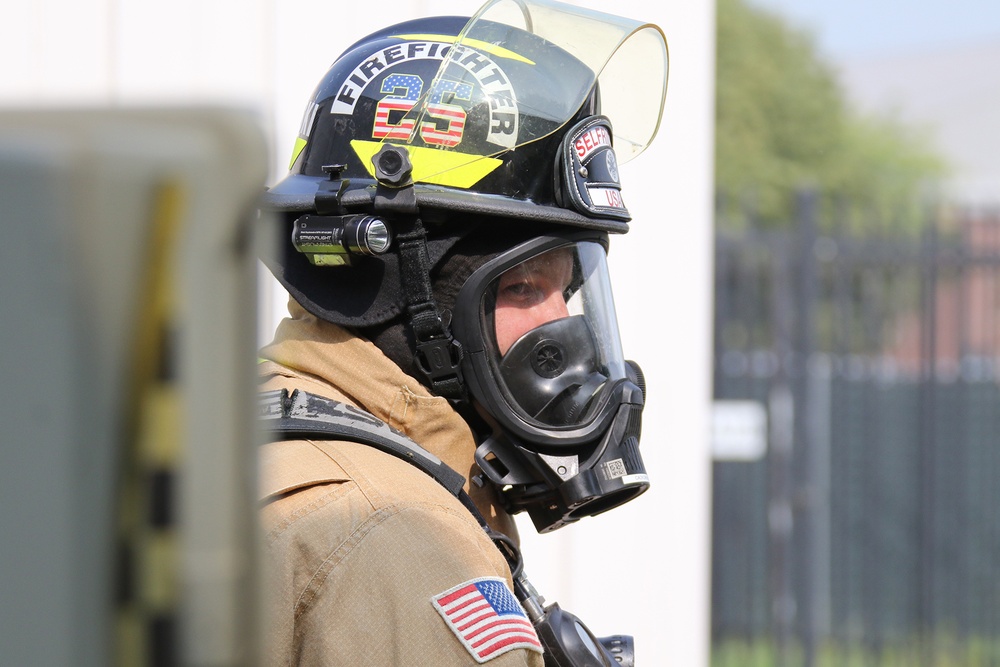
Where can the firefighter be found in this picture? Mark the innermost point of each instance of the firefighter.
(444, 230)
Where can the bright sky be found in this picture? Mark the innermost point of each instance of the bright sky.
(914, 58)
(859, 28)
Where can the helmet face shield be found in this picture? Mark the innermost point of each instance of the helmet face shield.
(554, 348)
(519, 88)
(627, 58)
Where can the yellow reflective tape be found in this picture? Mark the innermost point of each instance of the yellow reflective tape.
(151, 431)
(131, 648)
(300, 143)
(161, 436)
(433, 166)
(158, 586)
(480, 45)
(157, 299)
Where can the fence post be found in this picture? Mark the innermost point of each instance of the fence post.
(811, 503)
(780, 513)
(928, 406)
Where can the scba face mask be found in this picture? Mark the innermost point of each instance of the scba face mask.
(543, 359)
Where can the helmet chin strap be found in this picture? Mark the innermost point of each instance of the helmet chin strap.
(437, 355)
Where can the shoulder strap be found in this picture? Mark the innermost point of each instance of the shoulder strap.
(304, 415)
(301, 414)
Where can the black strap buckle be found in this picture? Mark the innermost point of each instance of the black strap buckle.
(440, 359)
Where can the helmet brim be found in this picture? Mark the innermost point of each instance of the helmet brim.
(297, 192)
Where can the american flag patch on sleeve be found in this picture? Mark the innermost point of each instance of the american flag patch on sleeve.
(486, 618)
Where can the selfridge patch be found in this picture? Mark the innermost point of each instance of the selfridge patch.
(590, 178)
(487, 618)
(590, 141)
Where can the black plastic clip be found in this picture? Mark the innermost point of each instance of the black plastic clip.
(440, 359)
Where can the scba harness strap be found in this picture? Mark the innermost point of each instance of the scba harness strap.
(299, 414)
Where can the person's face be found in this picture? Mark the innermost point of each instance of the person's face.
(531, 294)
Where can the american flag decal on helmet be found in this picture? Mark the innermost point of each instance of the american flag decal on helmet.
(486, 618)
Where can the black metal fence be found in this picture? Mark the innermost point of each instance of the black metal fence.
(869, 532)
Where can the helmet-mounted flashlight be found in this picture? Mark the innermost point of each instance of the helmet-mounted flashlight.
(331, 240)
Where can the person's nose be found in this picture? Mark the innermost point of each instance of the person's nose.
(553, 307)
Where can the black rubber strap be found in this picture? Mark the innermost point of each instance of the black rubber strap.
(438, 355)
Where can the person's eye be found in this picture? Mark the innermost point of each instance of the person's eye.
(520, 293)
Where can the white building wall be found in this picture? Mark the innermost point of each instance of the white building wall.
(643, 569)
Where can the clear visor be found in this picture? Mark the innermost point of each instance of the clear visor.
(627, 58)
(557, 348)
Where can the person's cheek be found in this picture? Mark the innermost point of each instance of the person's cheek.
(504, 329)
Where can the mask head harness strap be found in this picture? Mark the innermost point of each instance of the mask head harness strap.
(437, 354)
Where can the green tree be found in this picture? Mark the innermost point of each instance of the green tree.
(783, 123)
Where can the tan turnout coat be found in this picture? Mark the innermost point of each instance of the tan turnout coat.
(357, 542)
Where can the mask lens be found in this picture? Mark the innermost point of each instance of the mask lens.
(556, 339)
(531, 294)
(586, 639)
